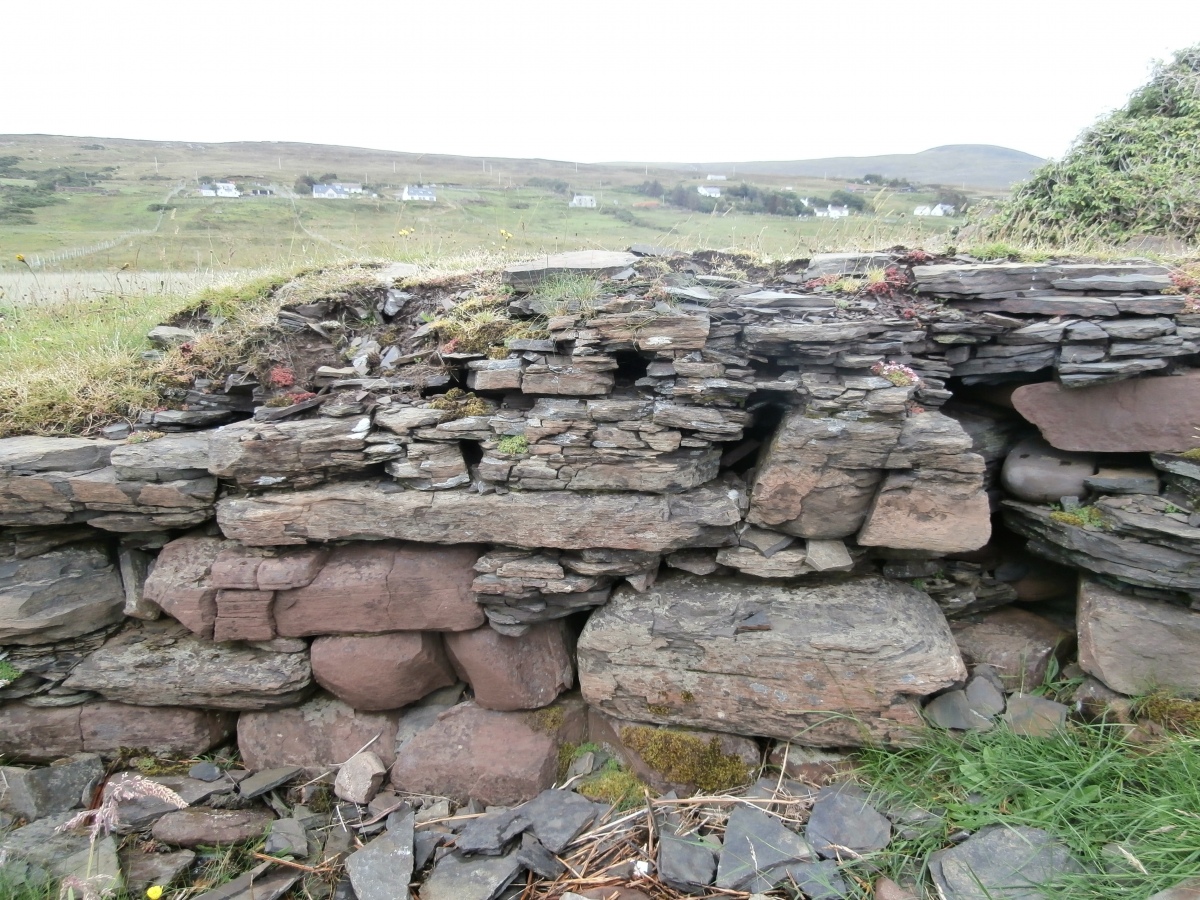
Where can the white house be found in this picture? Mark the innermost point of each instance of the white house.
(716, 177)
(584, 201)
(219, 189)
(942, 209)
(706, 191)
(833, 212)
(350, 187)
(415, 192)
(330, 192)
(923, 211)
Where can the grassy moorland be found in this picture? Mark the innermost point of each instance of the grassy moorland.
(138, 208)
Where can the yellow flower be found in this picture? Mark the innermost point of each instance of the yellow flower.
(20, 257)
(154, 892)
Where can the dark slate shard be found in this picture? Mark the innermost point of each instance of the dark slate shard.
(842, 817)
(456, 877)
(816, 880)
(537, 859)
(382, 869)
(491, 833)
(984, 697)
(953, 710)
(267, 780)
(686, 863)
(1001, 862)
(558, 817)
(756, 844)
(257, 884)
(424, 845)
(205, 771)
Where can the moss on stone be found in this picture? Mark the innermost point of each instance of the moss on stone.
(548, 719)
(614, 784)
(513, 445)
(686, 758)
(1083, 517)
(1170, 712)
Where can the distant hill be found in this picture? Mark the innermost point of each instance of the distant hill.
(975, 165)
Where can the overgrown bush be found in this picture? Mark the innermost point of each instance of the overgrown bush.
(1135, 172)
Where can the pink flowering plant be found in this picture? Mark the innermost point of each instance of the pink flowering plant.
(898, 374)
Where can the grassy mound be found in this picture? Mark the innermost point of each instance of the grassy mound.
(1135, 172)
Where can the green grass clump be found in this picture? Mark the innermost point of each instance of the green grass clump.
(1088, 786)
(1194, 453)
(1083, 517)
(1171, 712)
(614, 784)
(461, 404)
(564, 294)
(481, 324)
(1134, 172)
(686, 758)
(8, 672)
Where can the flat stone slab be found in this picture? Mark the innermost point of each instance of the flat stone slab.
(257, 884)
(261, 782)
(686, 863)
(1000, 861)
(843, 819)
(756, 846)
(382, 869)
(198, 825)
(1139, 415)
(558, 817)
(455, 877)
(769, 659)
(526, 276)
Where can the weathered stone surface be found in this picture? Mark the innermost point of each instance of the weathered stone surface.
(526, 276)
(843, 817)
(257, 884)
(653, 330)
(1001, 861)
(163, 665)
(1036, 472)
(145, 869)
(770, 659)
(457, 877)
(1134, 645)
(563, 519)
(41, 733)
(244, 616)
(508, 673)
(61, 594)
(1017, 643)
(34, 793)
(134, 566)
(382, 869)
(265, 454)
(430, 466)
(984, 278)
(359, 778)
(819, 475)
(686, 863)
(782, 564)
(823, 264)
(381, 671)
(384, 586)
(287, 837)
(938, 511)
(1185, 890)
(319, 734)
(457, 757)
(557, 817)
(27, 454)
(757, 846)
(181, 585)
(1133, 416)
(266, 780)
(1142, 542)
(1035, 716)
(172, 457)
(199, 825)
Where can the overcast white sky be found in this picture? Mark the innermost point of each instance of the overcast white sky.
(585, 80)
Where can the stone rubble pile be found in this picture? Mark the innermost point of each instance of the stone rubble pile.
(731, 501)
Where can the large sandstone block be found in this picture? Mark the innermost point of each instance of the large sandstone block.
(830, 663)
(61, 594)
(172, 457)
(935, 510)
(1134, 416)
(43, 733)
(369, 588)
(701, 517)
(508, 673)
(1135, 645)
(1017, 643)
(181, 582)
(27, 454)
(819, 475)
(163, 665)
(320, 733)
(497, 758)
(381, 671)
(528, 275)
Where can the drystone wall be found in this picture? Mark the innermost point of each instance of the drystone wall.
(740, 502)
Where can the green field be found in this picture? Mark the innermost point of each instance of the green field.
(478, 202)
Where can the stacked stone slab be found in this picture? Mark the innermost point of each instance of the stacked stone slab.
(713, 471)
